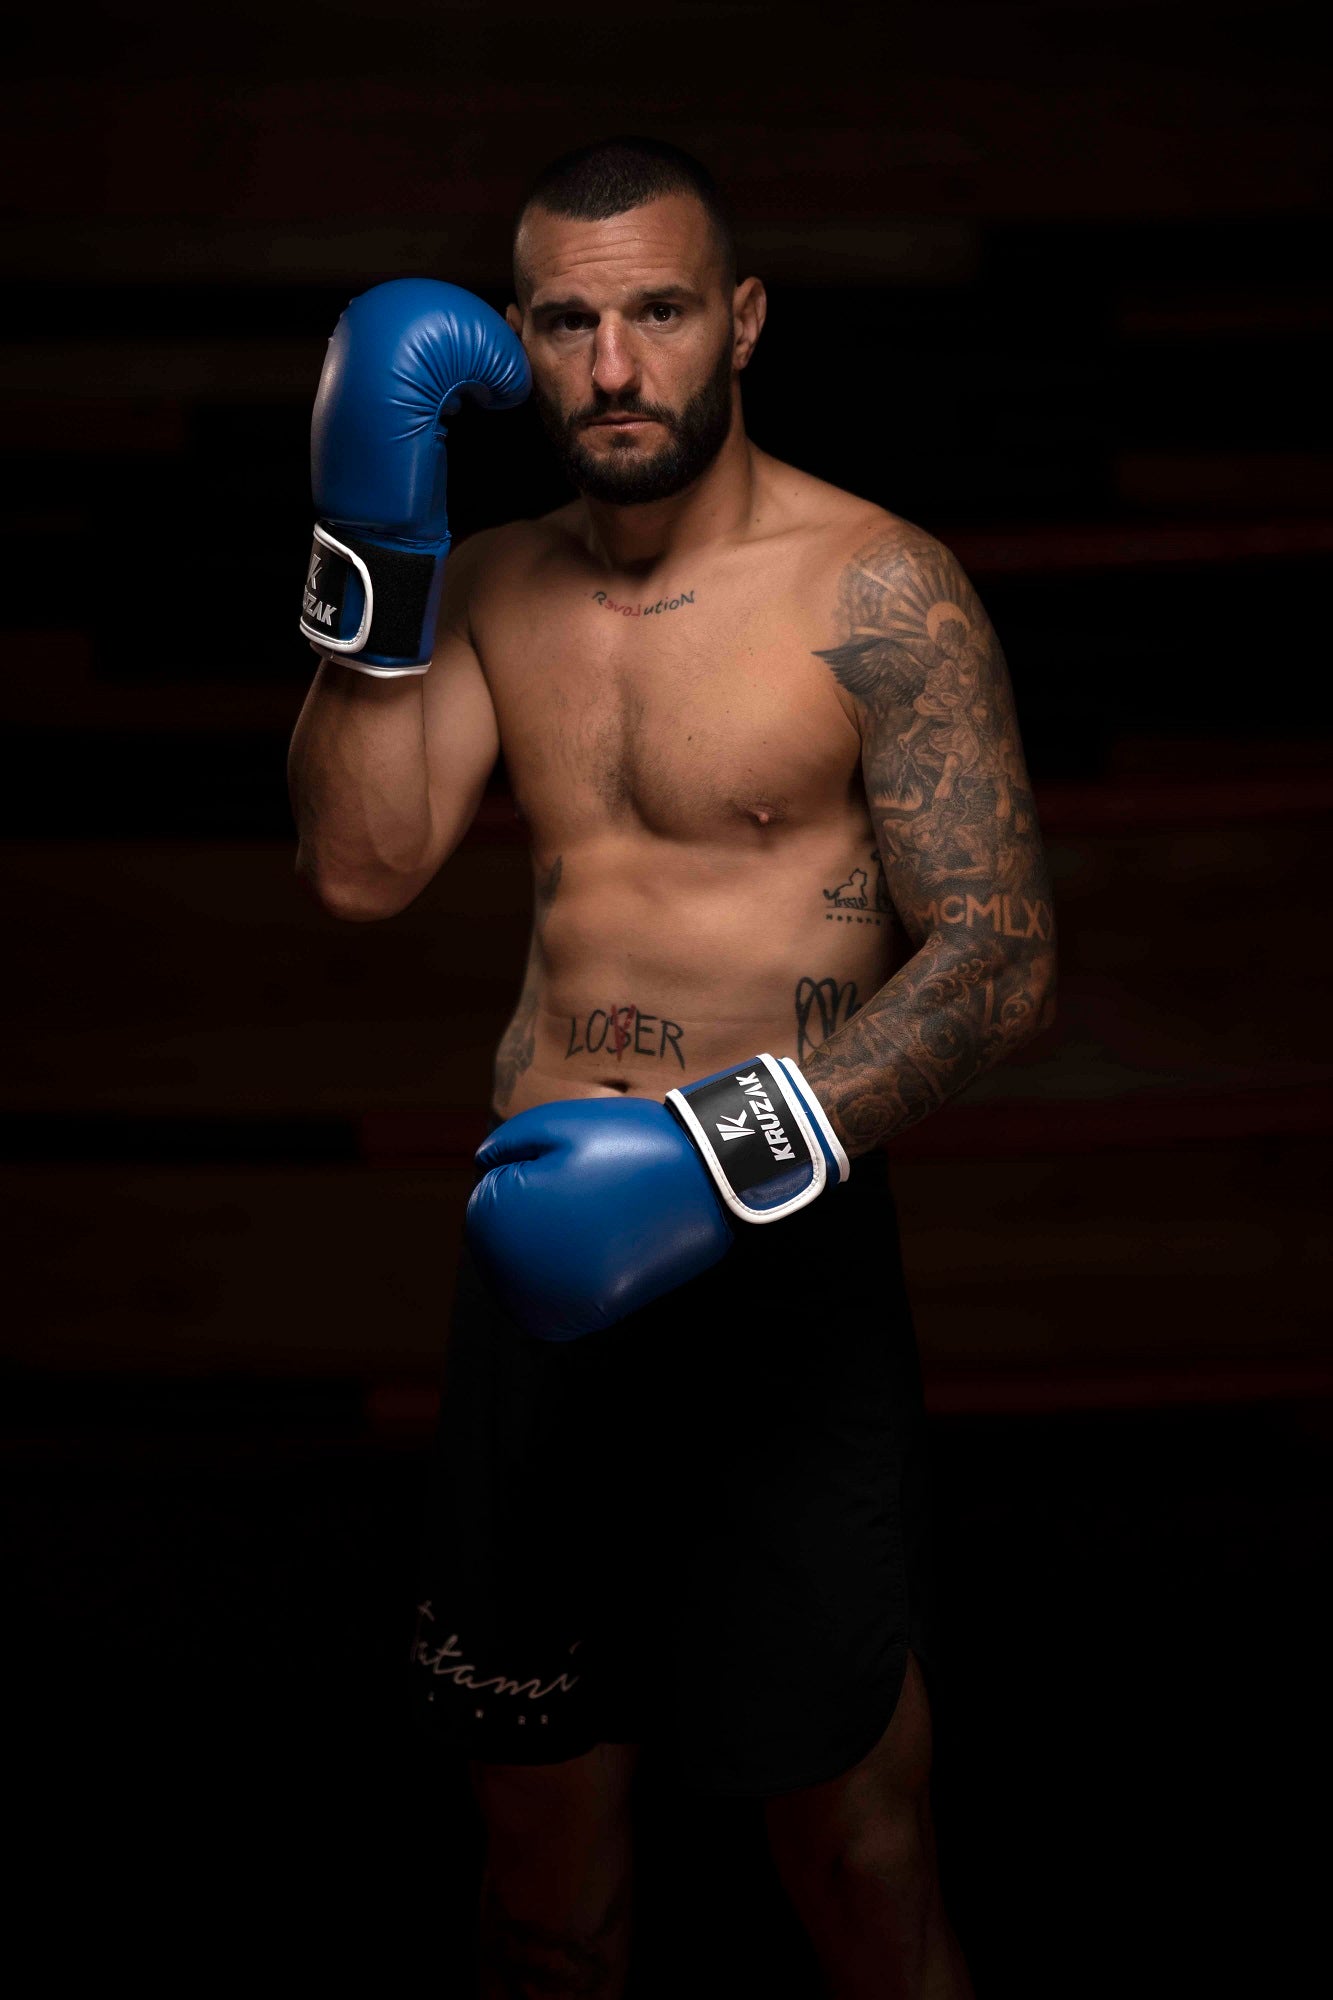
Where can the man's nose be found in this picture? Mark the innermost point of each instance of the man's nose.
(614, 368)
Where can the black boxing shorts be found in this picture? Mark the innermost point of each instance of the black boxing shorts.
(703, 1529)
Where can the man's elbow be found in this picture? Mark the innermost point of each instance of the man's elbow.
(1021, 1001)
(1042, 989)
(354, 899)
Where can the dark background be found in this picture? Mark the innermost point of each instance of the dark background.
(1050, 279)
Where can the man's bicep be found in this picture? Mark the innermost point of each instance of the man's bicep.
(945, 775)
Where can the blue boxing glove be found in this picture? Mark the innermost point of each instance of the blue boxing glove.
(593, 1206)
(401, 359)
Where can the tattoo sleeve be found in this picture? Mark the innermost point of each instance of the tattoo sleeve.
(952, 809)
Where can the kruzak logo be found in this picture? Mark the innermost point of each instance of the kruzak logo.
(317, 612)
(736, 1128)
(766, 1117)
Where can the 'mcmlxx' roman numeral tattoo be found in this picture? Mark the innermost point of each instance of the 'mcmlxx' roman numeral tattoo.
(952, 809)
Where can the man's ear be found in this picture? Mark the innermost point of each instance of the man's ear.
(514, 319)
(748, 310)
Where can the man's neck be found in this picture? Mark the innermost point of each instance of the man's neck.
(718, 507)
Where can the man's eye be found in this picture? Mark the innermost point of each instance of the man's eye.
(662, 313)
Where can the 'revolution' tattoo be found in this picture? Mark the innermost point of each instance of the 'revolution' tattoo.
(612, 1030)
(953, 814)
(643, 610)
(518, 1042)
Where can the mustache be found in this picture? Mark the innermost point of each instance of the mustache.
(621, 406)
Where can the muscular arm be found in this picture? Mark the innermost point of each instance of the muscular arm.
(386, 775)
(953, 814)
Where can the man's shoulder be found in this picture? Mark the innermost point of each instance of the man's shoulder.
(492, 555)
(889, 540)
(838, 528)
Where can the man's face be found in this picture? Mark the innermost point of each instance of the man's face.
(631, 333)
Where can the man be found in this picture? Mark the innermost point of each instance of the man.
(763, 738)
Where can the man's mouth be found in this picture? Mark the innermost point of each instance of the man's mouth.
(618, 423)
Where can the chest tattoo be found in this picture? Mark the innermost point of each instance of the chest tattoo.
(625, 610)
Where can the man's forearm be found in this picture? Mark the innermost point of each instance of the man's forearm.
(359, 784)
(948, 1014)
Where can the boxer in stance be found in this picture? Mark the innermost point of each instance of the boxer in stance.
(789, 897)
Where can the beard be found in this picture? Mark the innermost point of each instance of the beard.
(626, 476)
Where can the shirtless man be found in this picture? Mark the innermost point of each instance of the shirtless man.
(762, 736)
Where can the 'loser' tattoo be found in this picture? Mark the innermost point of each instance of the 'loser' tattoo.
(954, 819)
(612, 1030)
(518, 1042)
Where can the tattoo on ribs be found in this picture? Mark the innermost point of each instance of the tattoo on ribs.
(862, 898)
(952, 809)
(518, 1042)
(822, 1007)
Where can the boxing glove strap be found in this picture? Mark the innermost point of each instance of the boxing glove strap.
(362, 598)
(763, 1136)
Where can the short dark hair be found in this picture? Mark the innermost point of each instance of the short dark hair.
(613, 175)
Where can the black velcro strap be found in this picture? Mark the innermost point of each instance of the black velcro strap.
(754, 1138)
(401, 580)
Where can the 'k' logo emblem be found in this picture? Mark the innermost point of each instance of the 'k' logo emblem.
(735, 1128)
(315, 560)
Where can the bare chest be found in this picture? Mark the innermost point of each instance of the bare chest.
(684, 711)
